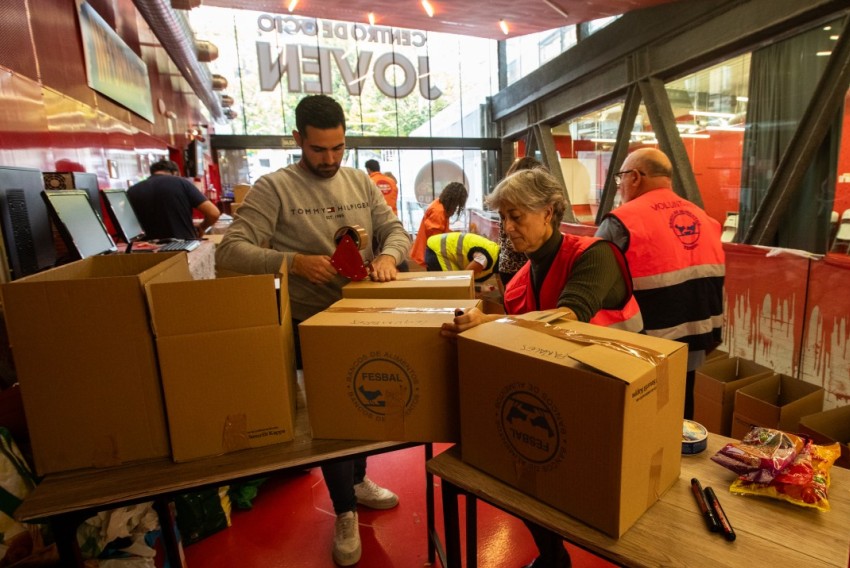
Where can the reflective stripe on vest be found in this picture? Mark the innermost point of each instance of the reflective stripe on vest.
(519, 296)
(454, 250)
(677, 265)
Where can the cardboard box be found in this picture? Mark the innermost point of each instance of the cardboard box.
(380, 370)
(777, 401)
(828, 427)
(716, 354)
(227, 367)
(587, 428)
(450, 285)
(715, 384)
(86, 362)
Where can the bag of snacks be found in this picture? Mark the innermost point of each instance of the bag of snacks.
(761, 455)
(804, 482)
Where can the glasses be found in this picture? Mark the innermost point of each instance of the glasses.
(618, 177)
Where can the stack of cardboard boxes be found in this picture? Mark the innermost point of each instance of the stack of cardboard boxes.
(125, 357)
(107, 347)
(732, 394)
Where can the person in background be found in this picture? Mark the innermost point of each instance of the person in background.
(585, 278)
(676, 257)
(510, 261)
(436, 219)
(385, 183)
(462, 251)
(164, 203)
(290, 209)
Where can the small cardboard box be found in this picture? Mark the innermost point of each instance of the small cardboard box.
(828, 427)
(86, 362)
(777, 401)
(228, 372)
(451, 285)
(566, 415)
(380, 370)
(715, 384)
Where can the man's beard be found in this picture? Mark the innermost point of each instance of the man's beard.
(323, 170)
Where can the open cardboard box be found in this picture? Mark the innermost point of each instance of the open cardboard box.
(828, 427)
(566, 415)
(419, 285)
(86, 361)
(715, 384)
(380, 370)
(227, 360)
(777, 401)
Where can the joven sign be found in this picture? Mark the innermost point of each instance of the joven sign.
(308, 67)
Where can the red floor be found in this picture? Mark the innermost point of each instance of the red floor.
(291, 525)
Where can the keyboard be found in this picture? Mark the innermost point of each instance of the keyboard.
(173, 246)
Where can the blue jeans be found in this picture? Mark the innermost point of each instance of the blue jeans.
(340, 476)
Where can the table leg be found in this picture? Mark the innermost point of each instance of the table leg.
(451, 524)
(65, 533)
(471, 531)
(169, 534)
(429, 505)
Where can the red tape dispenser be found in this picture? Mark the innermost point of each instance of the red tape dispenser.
(346, 258)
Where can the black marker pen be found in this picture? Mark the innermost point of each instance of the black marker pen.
(728, 532)
(707, 512)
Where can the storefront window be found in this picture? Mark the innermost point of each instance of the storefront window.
(390, 81)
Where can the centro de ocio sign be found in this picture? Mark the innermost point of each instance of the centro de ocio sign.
(307, 67)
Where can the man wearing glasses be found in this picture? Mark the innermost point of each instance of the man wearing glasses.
(675, 256)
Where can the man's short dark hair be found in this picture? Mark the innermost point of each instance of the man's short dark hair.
(165, 166)
(373, 165)
(318, 111)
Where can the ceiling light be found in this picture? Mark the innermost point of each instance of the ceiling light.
(428, 8)
(371, 18)
(292, 5)
(557, 8)
(504, 26)
(823, 53)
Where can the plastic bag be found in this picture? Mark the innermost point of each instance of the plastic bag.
(202, 513)
(804, 482)
(18, 541)
(761, 455)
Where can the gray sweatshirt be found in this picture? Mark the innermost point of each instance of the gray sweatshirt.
(292, 211)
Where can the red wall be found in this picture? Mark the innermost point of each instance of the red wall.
(51, 120)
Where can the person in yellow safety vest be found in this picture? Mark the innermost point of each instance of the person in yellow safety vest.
(462, 251)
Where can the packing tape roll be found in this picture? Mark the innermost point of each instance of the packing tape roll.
(694, 437)
(356, 232)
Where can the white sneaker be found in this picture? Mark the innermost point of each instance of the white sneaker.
(372, 495)
(346, 539)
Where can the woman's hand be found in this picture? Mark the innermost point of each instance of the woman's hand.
(465, 320)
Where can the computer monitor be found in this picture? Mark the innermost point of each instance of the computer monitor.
(122, 215)
(83, 232)
(75, 180)
(27, 235)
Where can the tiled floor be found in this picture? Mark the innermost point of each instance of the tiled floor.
(291, 526)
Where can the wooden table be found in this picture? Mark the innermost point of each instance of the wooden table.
(672, 532)
(67, 499)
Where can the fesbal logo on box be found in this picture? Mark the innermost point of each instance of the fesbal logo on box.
(530, 425)
(381, 381)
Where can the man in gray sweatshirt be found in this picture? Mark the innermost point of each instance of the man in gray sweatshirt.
(289, 219)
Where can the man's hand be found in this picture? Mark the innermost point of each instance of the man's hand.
(383, 268)
(316, 268)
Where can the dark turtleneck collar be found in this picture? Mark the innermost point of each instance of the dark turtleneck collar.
(541, 259)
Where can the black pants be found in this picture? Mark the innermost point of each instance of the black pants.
(340, 476)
